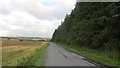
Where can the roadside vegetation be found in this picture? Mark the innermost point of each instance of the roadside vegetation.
(102, 57)
(92, 29)
(23, 53)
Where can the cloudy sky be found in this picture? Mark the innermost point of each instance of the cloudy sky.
(32, 18)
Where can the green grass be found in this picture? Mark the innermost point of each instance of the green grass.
(99, 56)
(38, 58)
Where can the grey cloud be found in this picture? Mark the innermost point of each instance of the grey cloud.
(32, 17)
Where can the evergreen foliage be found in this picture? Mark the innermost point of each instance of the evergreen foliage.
(93, 25)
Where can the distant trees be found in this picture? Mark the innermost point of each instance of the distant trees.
(92, 25)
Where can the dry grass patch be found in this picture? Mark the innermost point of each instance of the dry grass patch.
(14, 53)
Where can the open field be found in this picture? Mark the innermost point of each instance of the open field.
(23, 53)
(14, 43)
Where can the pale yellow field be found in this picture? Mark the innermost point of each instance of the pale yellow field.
(17, 54)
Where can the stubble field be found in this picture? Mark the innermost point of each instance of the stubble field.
(23, 53)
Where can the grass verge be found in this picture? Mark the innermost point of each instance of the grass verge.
(38, 58)
(101, 57)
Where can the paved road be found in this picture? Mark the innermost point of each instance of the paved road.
(58, 56)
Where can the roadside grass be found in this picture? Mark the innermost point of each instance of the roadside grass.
(99, 56)
(18, 55)
(38, 58)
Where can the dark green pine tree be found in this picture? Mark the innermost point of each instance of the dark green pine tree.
(92, 25)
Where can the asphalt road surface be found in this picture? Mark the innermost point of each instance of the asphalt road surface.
(58, 56)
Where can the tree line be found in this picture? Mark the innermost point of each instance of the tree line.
(92, 25)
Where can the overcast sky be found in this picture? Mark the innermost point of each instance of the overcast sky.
(32, 18)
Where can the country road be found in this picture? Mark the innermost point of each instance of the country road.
(58, 56)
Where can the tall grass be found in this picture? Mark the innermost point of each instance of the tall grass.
(20, 55)
(38, 57)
